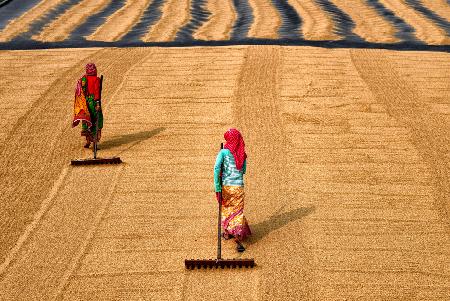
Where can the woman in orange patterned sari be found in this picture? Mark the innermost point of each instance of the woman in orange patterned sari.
(231, 161)
(87, 107)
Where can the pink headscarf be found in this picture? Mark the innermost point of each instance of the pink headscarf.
(235, 143)
(91, 69)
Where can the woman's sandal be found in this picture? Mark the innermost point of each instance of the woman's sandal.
(240, 248)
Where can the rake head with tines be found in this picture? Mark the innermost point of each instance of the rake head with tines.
(95, 161)
(191, 264)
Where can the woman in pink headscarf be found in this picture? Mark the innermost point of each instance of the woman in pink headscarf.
(231, 164)
(87, 105)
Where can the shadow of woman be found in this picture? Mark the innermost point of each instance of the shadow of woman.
(277, 221)
(134, 139)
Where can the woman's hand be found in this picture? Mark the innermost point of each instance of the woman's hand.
(219, 197)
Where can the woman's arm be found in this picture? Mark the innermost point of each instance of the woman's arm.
(217, 168)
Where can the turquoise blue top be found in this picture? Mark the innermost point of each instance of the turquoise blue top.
(231, 176)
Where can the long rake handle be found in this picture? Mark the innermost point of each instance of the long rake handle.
(219, 220)
(95, 141)
(96, 121)
(219, 233)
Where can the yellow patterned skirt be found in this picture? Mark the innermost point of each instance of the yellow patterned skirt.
(233, 219)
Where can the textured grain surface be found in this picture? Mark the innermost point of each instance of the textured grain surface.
(346, 191)
(60, 29)
(371, 23)
(117, 25)
(317, 24)
(368, 23)
(426, 30)
(219, 25)
(440, 7)
(22, 23)
(175, 14)
(266, 20)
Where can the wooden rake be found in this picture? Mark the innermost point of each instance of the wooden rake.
(191, 264)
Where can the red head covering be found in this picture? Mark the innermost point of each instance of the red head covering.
(235, 143)
(91, 69)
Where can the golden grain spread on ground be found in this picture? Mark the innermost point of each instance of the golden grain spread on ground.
(348, 176)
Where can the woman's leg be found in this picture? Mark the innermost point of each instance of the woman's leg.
(88, 143)
(85, 133)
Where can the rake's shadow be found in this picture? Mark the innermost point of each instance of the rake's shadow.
(277, 221)
(134, 139)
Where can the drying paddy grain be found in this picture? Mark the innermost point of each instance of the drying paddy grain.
(266, 20)
(117, 25)
(175, 14)
(220, 24)
(60, 29)
(22, 24)
(440, 7)
(426, 30)
(348, 177)
(188, 21)
(346, 191)
(317, 24)
(369, 25)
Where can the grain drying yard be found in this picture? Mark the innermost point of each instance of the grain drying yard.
(345, 109)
